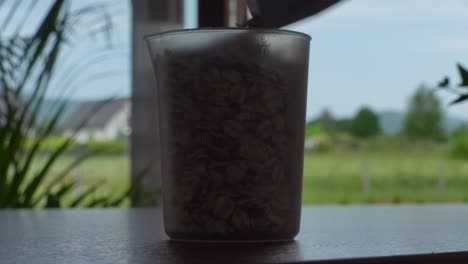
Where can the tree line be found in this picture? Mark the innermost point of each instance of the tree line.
(423, 120)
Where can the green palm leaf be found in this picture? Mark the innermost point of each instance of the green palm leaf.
(84, 195)
(27, 66)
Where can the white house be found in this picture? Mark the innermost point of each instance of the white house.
(309, 143)
(99, 120)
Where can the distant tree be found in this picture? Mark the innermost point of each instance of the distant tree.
(330, 124)
(343, 125)
(365, 124)
(313, 128)
(459, 144)
(424, 116)
(327, 120)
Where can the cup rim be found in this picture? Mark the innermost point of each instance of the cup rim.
(227, 29)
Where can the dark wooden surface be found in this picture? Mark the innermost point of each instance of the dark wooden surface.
(329, 234)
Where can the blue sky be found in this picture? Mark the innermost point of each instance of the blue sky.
(363, 52)
(375, 53)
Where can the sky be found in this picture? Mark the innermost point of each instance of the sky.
(375, 53)
(363, 52)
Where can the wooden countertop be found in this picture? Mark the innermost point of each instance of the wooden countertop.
(329, 234)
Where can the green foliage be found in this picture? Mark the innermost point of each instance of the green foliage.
(459, 144)
(423, 120)
(343, 125)
(50, 143)
(326, 120)
(313, 128)
(383, 143)
(114, 147)
(365, 124)
(327, 123)
(27, 66)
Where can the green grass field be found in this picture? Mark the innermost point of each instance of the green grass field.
(394, 178)
(112, 171)
(336, 178)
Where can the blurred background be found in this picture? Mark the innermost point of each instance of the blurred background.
(79, 106)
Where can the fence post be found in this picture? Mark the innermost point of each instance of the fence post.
(366, 181)
(78, 179)
(442, 184)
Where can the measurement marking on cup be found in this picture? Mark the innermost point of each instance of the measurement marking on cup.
(263, 45)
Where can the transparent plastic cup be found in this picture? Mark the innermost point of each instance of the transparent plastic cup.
(232, 106)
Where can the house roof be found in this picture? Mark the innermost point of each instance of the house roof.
(86, 111)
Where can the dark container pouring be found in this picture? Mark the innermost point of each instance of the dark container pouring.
(232, 106)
